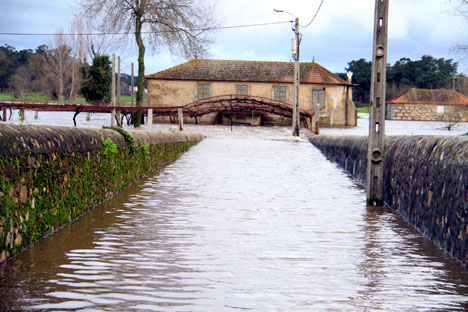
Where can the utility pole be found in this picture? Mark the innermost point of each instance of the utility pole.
(113, 91)
(375, 149)
(132, 83)
(296, 116)
(119, 123)
(118, 81)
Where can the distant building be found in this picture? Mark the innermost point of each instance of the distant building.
(429, 105)
(200, 79)
(135, 90)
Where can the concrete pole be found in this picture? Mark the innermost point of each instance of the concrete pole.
(180, 116)
(150, 118)
(296, 116)
(317, 119)
(36, 114)
(375, 150)
(113, 91)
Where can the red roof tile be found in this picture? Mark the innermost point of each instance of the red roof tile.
(248, 71)
(428, 96)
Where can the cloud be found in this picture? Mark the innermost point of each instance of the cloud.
(342, 31)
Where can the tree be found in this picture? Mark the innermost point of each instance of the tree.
(14, 59)
(361, 70)
(461, 8)
(58, 64)
(20, 82)
(4, 63)
(182, 25)
(97, 79)
(427, 73)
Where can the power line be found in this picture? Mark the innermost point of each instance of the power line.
(143, 32)
(318, 10)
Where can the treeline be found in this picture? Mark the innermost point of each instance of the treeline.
(59, 73)
(426, 73)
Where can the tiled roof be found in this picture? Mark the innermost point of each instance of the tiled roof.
(427, 96)
(248, 71)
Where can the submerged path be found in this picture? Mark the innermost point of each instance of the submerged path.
(238, 224)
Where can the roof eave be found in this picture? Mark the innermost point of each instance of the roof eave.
(254, 81)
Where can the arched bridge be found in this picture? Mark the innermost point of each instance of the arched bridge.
(229, 103)
(234, 103)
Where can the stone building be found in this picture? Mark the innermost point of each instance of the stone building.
(429, 105)
(201, 79)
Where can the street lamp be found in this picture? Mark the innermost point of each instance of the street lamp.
(295, 52)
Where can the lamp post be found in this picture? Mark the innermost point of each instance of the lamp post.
(295, 51)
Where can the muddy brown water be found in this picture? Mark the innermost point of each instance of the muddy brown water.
(237, 224)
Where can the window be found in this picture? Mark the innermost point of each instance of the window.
(242, 89)
(440, 109)
(203, 91)
(319, 97)
(279, 93)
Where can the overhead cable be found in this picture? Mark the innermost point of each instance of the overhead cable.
(316, 13)
(143, 32)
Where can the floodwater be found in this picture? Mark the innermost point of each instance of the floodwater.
(249, 222)
(250, 219)
(392, 127)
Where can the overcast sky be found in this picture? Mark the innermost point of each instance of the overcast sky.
(342, 31)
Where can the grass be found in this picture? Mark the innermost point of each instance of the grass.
(125, 100)
(363, 109)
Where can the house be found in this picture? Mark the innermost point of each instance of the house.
(200, 79)
(429, 105)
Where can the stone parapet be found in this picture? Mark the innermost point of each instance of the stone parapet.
(52, 175)
(425, 181)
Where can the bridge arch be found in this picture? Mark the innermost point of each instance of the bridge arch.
(237, 103)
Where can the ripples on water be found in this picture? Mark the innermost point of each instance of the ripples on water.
(238, 224)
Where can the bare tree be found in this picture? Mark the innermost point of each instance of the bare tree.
(77, 42)
(461, 8)
(96, 44)
(182, 25)
(58, 63)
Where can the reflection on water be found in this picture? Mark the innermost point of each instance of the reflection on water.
(237, 224)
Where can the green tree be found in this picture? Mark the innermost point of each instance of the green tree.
(97, 80)
(361, 70)
(426, 73)
(13, 60)
(182, 25)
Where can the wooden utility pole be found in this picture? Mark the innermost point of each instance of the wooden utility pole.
(118, 81)
(113, 91)
(296, 116)
(117, 117)
(375, 149)
(132, 83)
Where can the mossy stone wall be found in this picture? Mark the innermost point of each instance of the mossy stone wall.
(426, 181)
(52, 175)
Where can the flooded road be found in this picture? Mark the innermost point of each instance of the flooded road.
(237, 223)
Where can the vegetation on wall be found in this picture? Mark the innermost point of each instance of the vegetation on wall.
(41, 192)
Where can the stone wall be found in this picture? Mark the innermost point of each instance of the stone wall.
(426, 181)
(449, 113)
(52, 175)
